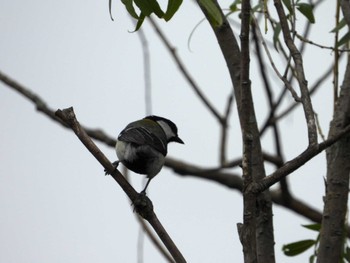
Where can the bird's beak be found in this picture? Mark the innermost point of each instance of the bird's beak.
(177, 139)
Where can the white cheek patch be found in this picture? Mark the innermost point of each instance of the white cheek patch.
(166, 128)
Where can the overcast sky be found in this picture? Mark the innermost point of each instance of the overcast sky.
(57, 205)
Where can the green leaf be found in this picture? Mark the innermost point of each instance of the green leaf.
(139, 22)
(130, 8)
(345, 39)
(276, 34)
(145, 8)
(298, 247)
(258, 7)
(314, 227)
(156, 8)
(233, 6)
(341, 24)
(347, 254)
(288, 4)
(306, 10)
(148, 7)
(110, 9)
(213, 12)
(312, 259)
(173, 6)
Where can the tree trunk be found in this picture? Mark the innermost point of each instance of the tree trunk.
(338, 167)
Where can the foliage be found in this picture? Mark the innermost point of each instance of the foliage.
(149, 7)
(299, 247)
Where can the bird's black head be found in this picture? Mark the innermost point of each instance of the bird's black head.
(168, 127)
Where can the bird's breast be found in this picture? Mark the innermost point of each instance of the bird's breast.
(142, 159)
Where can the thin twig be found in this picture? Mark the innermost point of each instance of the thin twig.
(297, 58)
(41, 106)
(148, 109)
(224, 129)
(184, 71)
(284, 80)
(154, 240)
(313, 89)
(270, 120)
(301, 38)
(278, 146)
(147, 70)
(296, 163)
(336, 58)
(319, 128)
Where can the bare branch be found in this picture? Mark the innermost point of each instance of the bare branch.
(282, 78)
(331, 248)
(308, 41)
(184, 71)
(296, 163)
(230, 180)
(37, 101)
(313, 89)
(224, 129)
(147, 69)
(305, 97)
(154, 239)
(142, 203)
(41, 106)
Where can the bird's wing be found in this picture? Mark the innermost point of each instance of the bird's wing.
(141, 136)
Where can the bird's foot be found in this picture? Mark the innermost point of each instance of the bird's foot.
(143, 205)
(115, 164)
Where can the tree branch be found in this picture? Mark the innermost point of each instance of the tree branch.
(142, 203)
(296, 163)
(247, 230)
(41, 106)
(331, 246)
(305, 97)
(224, 129)
(230, 180)
(233, 181)
(185, 72)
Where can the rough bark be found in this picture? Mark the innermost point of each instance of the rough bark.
(338, 168)
(256, 232)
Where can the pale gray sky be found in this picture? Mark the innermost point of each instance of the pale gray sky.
(57, 205)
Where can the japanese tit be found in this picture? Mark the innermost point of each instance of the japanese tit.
(143, 145)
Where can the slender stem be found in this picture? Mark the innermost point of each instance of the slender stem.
(185, 72)
(336, 57)
(305, 96)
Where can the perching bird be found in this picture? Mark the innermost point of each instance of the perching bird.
(143, 145)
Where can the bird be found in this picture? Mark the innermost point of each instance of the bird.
(143, 144)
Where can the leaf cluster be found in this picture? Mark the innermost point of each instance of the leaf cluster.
(299, 247)
(140, 9)
(148, 7)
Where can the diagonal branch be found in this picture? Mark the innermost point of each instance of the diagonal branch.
(224, 129)
(296, 163)
(41, 106)
(142, 203)
(305, 97)
(229, 180)
(233, 181)
(185, 72)
(259, 36)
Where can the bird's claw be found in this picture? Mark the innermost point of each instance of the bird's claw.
(115, 164)
(143, 205)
